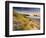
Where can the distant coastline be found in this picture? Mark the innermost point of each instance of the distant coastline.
(31, 15)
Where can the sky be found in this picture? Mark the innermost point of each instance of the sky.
(25, 9)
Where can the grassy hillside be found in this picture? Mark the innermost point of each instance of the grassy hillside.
(21, 22)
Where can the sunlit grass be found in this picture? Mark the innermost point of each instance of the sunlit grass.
(23, 22)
